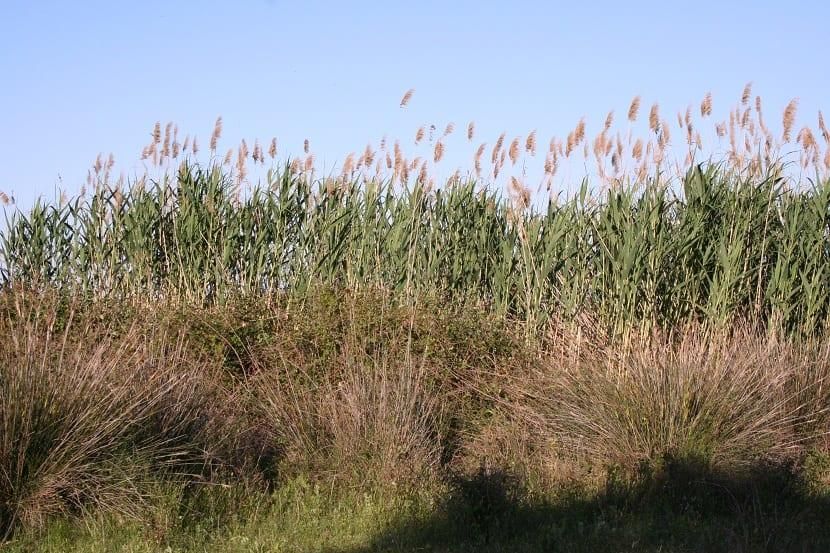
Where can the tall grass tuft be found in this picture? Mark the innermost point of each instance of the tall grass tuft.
(732, 400)
(86, 418)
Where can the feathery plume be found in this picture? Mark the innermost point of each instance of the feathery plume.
(599, 145)
(637, 150)
(478, 155)
(165, 148)
(257, 155)
(530, 143)
(806, 139)
(438, 152)
(419, 135)
(823, 128)
(449, 129)
(548, 164)
(654, 118)
(746, 94)
(348, 165)
(471, 127)
(217, 133)
(519, 193)
(789, 118)
(514, 150)
(706, 105)
(569, 144)
(272, 150)
(306, 146)
(579, 132)
(497, 148)
(634, 109)
(609, 120)
(368, 155)
(422, 174)
(407, 97)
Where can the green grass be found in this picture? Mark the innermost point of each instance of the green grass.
(770, 513)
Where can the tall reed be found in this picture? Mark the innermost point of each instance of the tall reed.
(723, 244)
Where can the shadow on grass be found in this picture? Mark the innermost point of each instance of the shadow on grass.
(681, 508)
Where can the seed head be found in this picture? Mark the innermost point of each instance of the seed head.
(637, 150)
(806, 139)
(654, 118)
(789, 118)
(514, 150)
(497, 148)
(217, 133)
(258, 155)
(579, 132)
(478, 155)
(530, 143)
(407, 97)
(746, 94)
(609, 120)
(438, 151)
(634, 109)
(823, 128)
(368, 155)
(706, 105)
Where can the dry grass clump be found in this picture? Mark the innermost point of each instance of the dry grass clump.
(731, 400)
(373, 422)
(87, 416)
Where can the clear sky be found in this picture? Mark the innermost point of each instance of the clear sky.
(82, 77)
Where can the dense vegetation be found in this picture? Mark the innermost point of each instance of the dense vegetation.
(368, 362)
(717, 246)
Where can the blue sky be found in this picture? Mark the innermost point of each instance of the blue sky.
(84, 77)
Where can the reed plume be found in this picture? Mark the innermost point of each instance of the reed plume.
(634, 109)
(407, 97)
(789, 118)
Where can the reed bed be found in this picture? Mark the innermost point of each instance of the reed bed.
(720, 246)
